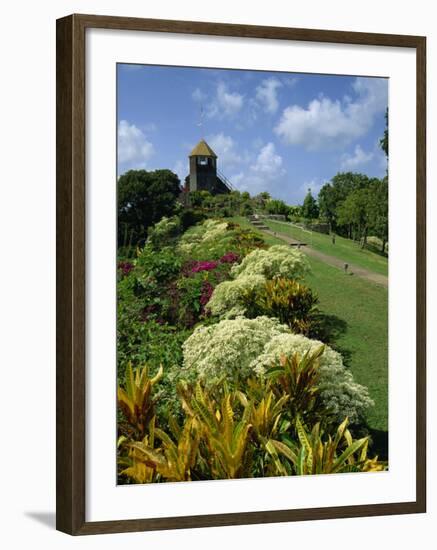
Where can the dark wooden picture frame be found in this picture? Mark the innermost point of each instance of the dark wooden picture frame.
(71, 246)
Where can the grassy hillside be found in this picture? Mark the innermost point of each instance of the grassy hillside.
(358, 315)
(343, 249)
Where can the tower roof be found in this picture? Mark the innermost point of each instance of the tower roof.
(202, 149)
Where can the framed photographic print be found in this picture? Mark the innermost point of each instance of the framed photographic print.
(240, 274)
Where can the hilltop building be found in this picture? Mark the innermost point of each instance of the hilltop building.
(204, 175)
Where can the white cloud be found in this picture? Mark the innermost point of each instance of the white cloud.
(225, 103)
(358, 159)
(225, 148)
(264, 171)
(181, 169)
(290, 81)
(198, 95)
(314, 185)
(236, 179)
(266, 94)
(268, 163)
(327, 124)
(133, 147)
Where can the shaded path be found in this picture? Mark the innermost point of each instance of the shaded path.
(331, 260)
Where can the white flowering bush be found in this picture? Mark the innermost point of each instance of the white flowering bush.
(340, 394)
(276, 261)
(214, 230)
(226, 350)
(209, 230)
(226, 300)
(212, 237)
(233, 350)
(164, 232)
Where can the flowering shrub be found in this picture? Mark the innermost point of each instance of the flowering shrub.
(277, 261)
(225, 351)
(125, 267)
(341, 395)
(232, 350)
(215, 238)
(214, 230)
(227, 298)
(203, 266)
(209, 230)
(164, 232)
(229, 258)
(246, 240)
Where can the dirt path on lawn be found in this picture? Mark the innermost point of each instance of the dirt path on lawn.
(331, 260)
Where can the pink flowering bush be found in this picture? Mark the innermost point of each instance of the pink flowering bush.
(203, 266)
(197, 283)
(229, 258)
(125, 267)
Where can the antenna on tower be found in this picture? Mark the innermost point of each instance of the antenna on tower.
(200, 123)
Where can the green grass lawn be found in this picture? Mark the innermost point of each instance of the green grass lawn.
(343, 249)
(360, 314)
(358, 311)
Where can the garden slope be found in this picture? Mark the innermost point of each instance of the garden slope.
(358, 314)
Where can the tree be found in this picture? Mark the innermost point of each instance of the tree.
(356, 212)
(333, 194)
(261, 199)
(277, 207)
(327, 205)
(200, 198)
(246, 209)
(143, 199)
(310, 209)
(378, 210)
(383, 142)
(294, 211)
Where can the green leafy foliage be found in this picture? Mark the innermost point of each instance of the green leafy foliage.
(143, 199)
(383, 142)
(298, 376)
(225, 440)
(165, 232)
(235, 435)
(173, 461)
(291, 302)
(277, 207)
(315, 454)
(136, 402)
(310, 210)
(356, 206)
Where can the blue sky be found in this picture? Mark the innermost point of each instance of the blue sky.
(278, 132)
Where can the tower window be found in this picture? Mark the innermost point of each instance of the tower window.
(203, 161)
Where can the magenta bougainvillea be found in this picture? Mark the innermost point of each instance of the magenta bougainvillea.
(203, 266)
(195, 266)
(125, 267)
(229, 258)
